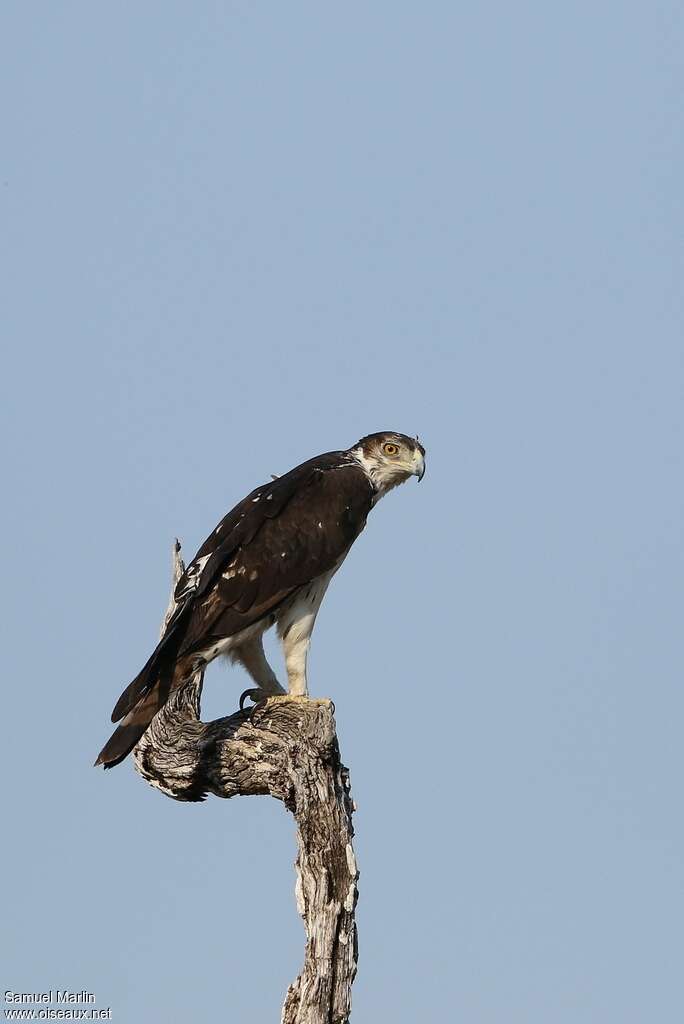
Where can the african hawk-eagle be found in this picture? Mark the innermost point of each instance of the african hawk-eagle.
(268, 561)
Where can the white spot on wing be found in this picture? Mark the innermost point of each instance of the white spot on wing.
(196, 568)
(230, 570)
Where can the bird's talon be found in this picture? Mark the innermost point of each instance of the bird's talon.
(243, 697)
(260, 699)
(255, 694)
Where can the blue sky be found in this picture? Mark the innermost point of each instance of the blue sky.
(237, 235)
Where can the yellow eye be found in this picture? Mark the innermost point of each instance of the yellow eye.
(390, 449)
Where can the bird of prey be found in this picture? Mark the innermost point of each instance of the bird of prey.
(269, 561)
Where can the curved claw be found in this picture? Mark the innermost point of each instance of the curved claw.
(260, 700)
(247, 693)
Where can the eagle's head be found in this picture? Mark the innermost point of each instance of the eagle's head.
(389, 459)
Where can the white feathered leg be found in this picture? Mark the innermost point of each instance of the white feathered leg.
(295, 626)
(251, 655)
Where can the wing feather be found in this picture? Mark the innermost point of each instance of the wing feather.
(309, 537)
(282, 535)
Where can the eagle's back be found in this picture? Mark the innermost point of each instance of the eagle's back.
(311, 531)
(281, 536)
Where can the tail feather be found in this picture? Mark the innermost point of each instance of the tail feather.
(136, 721)
(166, 651)
(120, 744)
(143, 682)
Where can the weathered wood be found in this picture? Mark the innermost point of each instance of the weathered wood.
(286, 748)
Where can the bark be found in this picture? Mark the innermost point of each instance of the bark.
(286, 748)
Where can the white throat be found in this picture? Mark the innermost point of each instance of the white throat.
(381, 476)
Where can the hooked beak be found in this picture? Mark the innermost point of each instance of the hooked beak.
(419, 468)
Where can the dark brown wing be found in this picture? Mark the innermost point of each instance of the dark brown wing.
(308, 537)
(280, 536)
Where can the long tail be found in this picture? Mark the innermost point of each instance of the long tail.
(122, 741)
(137, 719)
(146, 694)
(165, 651)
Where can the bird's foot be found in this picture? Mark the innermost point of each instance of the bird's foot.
(261, 698)
(258, 695)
